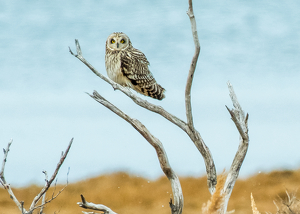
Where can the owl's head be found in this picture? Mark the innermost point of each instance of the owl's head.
(118, 41)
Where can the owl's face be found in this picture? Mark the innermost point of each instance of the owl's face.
(117, 41)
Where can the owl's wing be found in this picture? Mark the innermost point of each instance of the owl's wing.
(134, 65)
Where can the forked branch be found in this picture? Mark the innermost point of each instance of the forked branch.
(241, 122)
(158, 146)
(3, 181)
(139, 101)
(5, 151)
(237, 116)
(186, 127)
(42, 192)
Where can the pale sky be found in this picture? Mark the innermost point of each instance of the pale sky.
(255, 45)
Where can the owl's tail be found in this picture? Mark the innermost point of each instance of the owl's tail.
(154, 90)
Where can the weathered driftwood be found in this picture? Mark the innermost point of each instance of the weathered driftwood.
(237, 115)
(187, 127)
(98, 207)
(192, 132)
(158, 146)
(34, 205)
(241, 122)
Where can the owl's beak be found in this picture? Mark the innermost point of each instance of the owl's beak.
(117, 44)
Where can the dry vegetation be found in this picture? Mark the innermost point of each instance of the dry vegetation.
(214, 205)
(131, 194)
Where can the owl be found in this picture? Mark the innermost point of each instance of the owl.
(129, 67)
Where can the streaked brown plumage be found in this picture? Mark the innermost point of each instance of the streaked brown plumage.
(128, 66)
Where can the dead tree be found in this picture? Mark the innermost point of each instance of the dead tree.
(42, 194)
(237, 115)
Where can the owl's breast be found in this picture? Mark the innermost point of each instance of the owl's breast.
(113, 69)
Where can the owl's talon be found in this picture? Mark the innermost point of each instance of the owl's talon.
(115, 87)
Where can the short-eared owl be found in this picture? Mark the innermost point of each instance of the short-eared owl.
(129, 66)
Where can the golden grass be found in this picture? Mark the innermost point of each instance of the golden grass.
(217, 199)
(125, 193)
(253, 205)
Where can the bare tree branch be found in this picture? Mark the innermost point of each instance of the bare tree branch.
(186, 127)
(92, 206)
(44, 202)
(22, 206)
(139, 101)
(158, 146)
(188, 104)
(43, 191)
(48, 201)
(48, 183)
(237, 114)
(192, 133)
(44, 196)
(241, 122)
(2, 178)
(3, 181)
(88, 212)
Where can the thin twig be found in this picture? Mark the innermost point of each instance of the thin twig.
(5, 151)
(51, 199)
(53, 195)
(48, 184)
(44, 196)
(3, 181)
(22, 206)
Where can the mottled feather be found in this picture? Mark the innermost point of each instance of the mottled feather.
(129, 67)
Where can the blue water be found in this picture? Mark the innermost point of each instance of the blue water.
(255, 45)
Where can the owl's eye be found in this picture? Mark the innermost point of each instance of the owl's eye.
(122, 41)
(112, 41)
